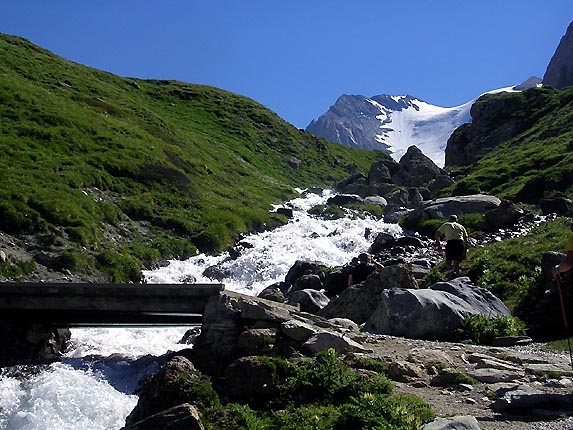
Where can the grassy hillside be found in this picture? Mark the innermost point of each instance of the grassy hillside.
(538, 160)
(110, 171)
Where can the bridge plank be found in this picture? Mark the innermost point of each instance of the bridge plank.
(76, 303)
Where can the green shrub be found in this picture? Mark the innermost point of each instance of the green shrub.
(482, 330)
(327, 212)
(375, 211)
(372, 411)
(15, 269)
(308, 417)
(367, 363)
(451, 378)
(121, 268)
(197, 390)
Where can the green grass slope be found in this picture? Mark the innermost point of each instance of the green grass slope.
(538, 160)
(115, 171)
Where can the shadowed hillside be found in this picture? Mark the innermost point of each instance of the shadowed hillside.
(525, 141)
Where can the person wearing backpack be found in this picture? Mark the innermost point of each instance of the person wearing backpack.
(456, 243)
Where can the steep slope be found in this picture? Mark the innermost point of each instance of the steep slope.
(394, 123)
(102, 167)
(559, 73)
(530, 141)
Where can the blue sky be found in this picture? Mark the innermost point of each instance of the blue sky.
(298, 56)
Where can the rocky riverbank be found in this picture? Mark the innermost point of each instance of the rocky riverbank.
(507, 388)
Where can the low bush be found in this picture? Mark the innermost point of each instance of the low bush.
(323, 393)
(482, 330)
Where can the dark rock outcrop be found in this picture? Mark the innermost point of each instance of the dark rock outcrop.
(31, 343)
(171, 386)
(180, 417)
(559, 73)
(496, 118)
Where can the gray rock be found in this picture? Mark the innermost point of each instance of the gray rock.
(416, 169)
(535, 404)
(512, 340)
(444, 207)
(559, 73)
(493, 376)
(256, 341)
(375, 200)
(429, 313)
(298, 330)
(307, 282)
(161, 392)
(180, 417)
(248, 379)
(310, 301)
(480, 299)
(505, 215)
(323, 341)
(344, 199)
(459, 422)
(358, 302)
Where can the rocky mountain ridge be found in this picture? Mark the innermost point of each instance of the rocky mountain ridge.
(394, 123)
(559, 73)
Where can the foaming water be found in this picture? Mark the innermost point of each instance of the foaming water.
(63, 398)
(127, 342)
(265, 258)
(93, 387)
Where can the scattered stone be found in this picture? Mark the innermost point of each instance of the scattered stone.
(492, 376)
(512, 340)
(321, 342)
(458, 422)
(405, 371)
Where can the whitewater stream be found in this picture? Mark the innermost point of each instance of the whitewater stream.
(93, 386)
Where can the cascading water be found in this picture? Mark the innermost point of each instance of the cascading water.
(92, 387)
(265, 258)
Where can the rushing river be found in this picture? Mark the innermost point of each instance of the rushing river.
(92, 387)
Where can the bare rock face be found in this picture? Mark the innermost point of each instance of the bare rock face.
(559, 73)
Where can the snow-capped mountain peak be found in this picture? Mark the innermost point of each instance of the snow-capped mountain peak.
(394, 123)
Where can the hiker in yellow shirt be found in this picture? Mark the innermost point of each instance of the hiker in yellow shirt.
(456, 243)
(566, 264)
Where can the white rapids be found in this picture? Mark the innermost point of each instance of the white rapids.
(93, 386)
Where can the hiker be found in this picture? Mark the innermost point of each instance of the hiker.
(456, 243)
(567, 263)
(366, 266)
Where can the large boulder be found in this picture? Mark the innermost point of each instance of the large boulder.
(308, 300)
(248, 379)
(416, 169)
(481, 300)
(180, 417)
(382, 171)
(505, 215)
(444, 207)
(359, 301)
(434, 313)
(177, 382)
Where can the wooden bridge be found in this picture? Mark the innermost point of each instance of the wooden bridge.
(76, 304)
